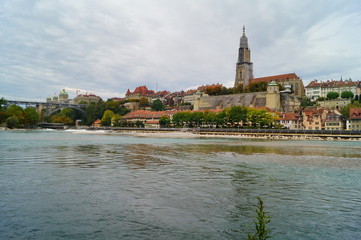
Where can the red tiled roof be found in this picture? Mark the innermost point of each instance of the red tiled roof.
(289, 116)
(333, 83)
(143, 90)
(355, 113)
(277, 78)
(191, 91)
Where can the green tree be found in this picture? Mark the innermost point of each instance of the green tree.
(347, 94)
(164, 121)
(12, 122)
(237, 114)
(258, 118)
(94, 111)
(182, 119)
(15, 110)
(107, 118)
(221, 119)
(31, 117)
(196, 118)
(210, 118)
(305, 102)
(262, 232)
(157, 105)
(139, 124)
(3, 102)
(332, 95)
(116, 120)
(70, 113)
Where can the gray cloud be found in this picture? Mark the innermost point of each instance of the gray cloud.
(110, 46)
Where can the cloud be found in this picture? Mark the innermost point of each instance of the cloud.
(109, 46)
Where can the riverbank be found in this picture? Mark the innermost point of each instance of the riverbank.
(272, 134)
(236, 135)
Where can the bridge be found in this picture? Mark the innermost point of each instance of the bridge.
(51, 107)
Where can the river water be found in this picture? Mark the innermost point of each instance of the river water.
(74, 185)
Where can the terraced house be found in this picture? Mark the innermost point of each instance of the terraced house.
(355, 119)
(317, 89)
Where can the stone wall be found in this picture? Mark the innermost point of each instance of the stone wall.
(224, 101)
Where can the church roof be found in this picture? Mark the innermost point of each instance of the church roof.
(277, 78)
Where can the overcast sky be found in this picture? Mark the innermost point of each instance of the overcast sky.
(109, 46)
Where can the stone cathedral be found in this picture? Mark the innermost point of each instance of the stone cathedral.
(287, 100)
(244, 66)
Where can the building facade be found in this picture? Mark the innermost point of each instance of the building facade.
(317, 89)
(285, 80)
(292, 121)
(355, 119)
(334, 121)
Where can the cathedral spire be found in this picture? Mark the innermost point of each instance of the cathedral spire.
(244, 40)
(244, 66)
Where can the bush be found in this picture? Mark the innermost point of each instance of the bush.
(12, 122)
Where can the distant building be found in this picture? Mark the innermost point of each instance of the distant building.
(97, 123)
(139, 92)
(317, 89)
(244, 72)
(355, 119)
(292, 121)
(87, 98)
(335, 121)
(291, 79)
(314, 118)
(63, 97)
(322, 119)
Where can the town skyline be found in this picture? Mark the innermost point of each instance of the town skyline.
(111, 47)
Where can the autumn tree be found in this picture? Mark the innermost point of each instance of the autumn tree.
(143, 102)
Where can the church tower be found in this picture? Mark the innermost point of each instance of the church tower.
(244, 66)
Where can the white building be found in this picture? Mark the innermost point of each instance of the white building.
(316, 89)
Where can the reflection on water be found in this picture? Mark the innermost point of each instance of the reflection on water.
(73, 186)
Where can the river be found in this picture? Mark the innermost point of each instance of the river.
(80, 185)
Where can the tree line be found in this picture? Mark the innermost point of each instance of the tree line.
(218, 89)
(236, 116)
(17, 117)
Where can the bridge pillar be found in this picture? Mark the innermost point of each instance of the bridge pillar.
(39, 108)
